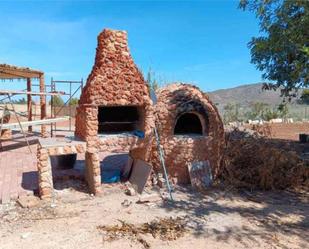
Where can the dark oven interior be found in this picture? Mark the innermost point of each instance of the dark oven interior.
(188, 124)
(118, 119)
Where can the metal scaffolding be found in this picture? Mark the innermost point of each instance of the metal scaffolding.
(74, 87)
(10, 72)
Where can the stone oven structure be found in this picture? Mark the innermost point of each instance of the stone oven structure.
(115, 109)
(115, 114)
(190, 130)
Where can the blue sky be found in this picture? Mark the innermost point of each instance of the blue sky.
(201, 42)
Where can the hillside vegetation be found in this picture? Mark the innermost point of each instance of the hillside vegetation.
(245, 96)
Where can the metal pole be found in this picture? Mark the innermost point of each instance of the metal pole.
(21, 127)
(51, 107)
(68, 100)
(43, 104)
(161, 156)
(70, 106)
(54, 107)
(161, 152)
(29, 103)
(12, 95)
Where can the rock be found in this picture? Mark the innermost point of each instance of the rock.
(126, 203)
(154, 180)
(161, 182)
(53, 205)
(130, 191)
(165, 195)
(28, 201)
(149, 198)
(25, 235)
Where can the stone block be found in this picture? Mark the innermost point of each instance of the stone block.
(28, 201)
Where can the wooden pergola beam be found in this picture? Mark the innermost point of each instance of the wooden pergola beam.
(34, 122)
(6, 92)
(13, 72)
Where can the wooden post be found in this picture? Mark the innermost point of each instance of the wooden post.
(43, 105)
(29, 103)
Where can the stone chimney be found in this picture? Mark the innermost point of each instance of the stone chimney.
(116, 97)
(115, 79)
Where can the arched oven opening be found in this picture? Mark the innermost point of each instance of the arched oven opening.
(188, 124)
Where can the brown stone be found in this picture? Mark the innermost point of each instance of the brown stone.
(173, 101)
(45, 193)
(28, 201)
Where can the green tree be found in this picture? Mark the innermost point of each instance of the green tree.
(231, 113)
(270, 114)
(282, 50)
(283, 110)
(73, 101)
(151, 80)
(257, 110)
(305, 97)
(57, 101)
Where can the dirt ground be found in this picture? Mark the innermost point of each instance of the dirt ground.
(215, 219)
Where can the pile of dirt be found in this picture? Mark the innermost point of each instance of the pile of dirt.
(165, 229)
(255, 162)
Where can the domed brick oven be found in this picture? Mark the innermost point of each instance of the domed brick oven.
(115, 111)
(190, 129)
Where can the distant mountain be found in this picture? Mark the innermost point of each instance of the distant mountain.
(244, 95)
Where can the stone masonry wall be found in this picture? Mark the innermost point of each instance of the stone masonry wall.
(44, 164)
(179, 150)
(114, 81)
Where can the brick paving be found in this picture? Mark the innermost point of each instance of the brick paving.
(18, 172)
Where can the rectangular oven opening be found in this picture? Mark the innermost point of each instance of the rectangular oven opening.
(118, 119)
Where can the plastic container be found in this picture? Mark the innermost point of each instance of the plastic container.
(111, 176)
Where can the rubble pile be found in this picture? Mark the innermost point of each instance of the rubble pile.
(255, 162)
